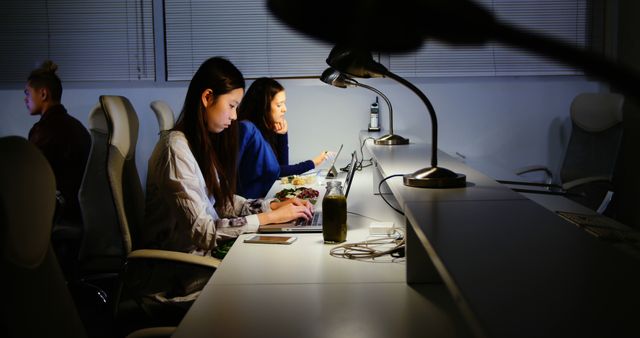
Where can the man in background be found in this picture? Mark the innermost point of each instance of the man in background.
(63, 140)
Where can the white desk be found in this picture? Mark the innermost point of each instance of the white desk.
(299, 290)
(515, 268)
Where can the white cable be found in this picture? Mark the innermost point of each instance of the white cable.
(369, 249)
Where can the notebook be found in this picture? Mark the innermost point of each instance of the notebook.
(315, 224)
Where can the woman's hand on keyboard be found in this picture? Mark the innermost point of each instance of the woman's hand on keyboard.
(295, 201)
(287, 210)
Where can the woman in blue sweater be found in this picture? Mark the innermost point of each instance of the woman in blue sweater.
(264, 159)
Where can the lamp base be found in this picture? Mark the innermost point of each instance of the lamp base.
(391, 139)
(435, 177)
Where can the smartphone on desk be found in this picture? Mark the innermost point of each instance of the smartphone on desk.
(266, 239)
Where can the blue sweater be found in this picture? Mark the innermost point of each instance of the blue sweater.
(258, 167)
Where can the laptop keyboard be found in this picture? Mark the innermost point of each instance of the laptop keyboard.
(315, 220)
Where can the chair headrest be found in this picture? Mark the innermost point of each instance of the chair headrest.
(27, 202)
(164, 114)
(98, 120)
(123, 124)
(596, 112)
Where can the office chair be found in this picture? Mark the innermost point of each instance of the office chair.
(591, 154)
(102, 252)
(148, 276)
(37, 302)
(164, 114)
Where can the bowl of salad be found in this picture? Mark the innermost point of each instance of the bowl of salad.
(304, 193)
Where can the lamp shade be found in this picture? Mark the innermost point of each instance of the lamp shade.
(355, 62)
(338, 79)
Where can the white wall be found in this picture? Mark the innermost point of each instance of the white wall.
(497, 123)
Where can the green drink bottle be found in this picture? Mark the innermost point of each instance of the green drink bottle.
(334, 214)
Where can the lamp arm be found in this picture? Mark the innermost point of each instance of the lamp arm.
(432, 114)
(385, 99)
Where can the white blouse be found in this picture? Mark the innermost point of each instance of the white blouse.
(179, 213)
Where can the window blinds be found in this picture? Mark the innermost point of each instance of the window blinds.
(90, 40)
(566, 20)
(244, 32)
(94, 40)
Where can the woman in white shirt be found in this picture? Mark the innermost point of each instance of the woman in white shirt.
(191, 204)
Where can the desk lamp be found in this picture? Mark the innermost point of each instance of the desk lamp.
(336, 78)
(360, 63)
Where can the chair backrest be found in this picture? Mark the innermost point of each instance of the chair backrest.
(36, 301)
(596, 136)
(102, 238)
(164, 114)
(126, 189)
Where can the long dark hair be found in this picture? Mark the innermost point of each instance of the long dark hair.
(256, 107)
(216, 153)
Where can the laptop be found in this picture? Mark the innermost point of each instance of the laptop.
(314, 224)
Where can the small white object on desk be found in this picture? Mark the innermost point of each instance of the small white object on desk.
(381, 228)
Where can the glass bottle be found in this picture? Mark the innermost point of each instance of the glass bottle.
(334, 214)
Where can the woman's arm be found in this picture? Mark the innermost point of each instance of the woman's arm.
(196, 217)
(282, 152)
(296, 169)
(271, 210)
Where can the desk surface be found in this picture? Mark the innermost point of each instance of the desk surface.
(516, 268)
(299, 290)
(518, 265)
(405, 159)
